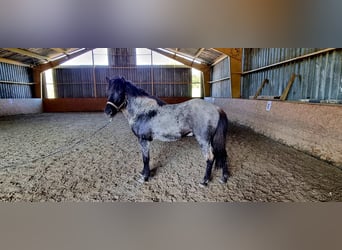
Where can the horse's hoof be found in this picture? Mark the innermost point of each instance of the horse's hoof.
(204, 183)
(143, 179)
(223, 180)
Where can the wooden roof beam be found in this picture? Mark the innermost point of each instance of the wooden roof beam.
(28, 53)
(52, 64)
(235, 53)
(219, 59)
(191, 58)
(59, 50)
(201, 67)
(199, 52)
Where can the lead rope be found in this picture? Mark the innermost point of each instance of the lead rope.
(60, 149)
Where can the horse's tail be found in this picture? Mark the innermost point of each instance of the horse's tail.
(218, 141)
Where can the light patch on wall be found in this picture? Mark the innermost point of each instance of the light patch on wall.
(50, 93)
(196, 83)
(268, 105)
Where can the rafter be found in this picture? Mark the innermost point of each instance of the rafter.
(235, 53)
(28, 53)
(186, 62)
(199, 52)
(219, 59)
(178, 52)
(59, 50)
(52, 64)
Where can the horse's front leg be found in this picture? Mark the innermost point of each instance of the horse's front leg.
(145, 150)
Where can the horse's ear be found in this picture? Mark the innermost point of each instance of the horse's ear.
(123, 79)
(107, 79)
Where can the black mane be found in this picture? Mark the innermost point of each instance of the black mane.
(135, 91)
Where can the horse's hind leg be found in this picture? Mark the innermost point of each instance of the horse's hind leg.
(207, 175)
(145, 149)
(225, 174)
(209, 156)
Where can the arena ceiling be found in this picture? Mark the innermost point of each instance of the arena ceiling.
(51, 57)
(34, 57)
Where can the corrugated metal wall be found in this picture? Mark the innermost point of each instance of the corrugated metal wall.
(15, 81)
(161, 81)
(320, 75)
(220, 79)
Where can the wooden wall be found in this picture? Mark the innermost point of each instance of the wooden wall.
(312, 128)
(88, 104)
(20, 106)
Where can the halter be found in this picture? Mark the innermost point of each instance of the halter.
(116, 107)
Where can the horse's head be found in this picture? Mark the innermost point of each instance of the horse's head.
(116, 95)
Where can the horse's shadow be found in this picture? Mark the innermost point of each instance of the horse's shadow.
(164, 151)
(154, 171)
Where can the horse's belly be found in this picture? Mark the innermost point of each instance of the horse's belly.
(167, 137)
(173, 136)
(168, 127)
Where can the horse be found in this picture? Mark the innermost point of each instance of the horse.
(151, 118)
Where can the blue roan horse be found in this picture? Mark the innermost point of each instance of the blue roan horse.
(151, 118)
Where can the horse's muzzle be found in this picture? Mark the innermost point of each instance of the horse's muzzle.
(110, 111)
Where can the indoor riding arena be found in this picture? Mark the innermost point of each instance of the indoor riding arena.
(284, 138)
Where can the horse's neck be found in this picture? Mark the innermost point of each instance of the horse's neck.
(139, 105)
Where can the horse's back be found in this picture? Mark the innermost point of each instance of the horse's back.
(202, 111)
(201, 116)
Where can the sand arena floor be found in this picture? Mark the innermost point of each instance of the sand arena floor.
(59, 157)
